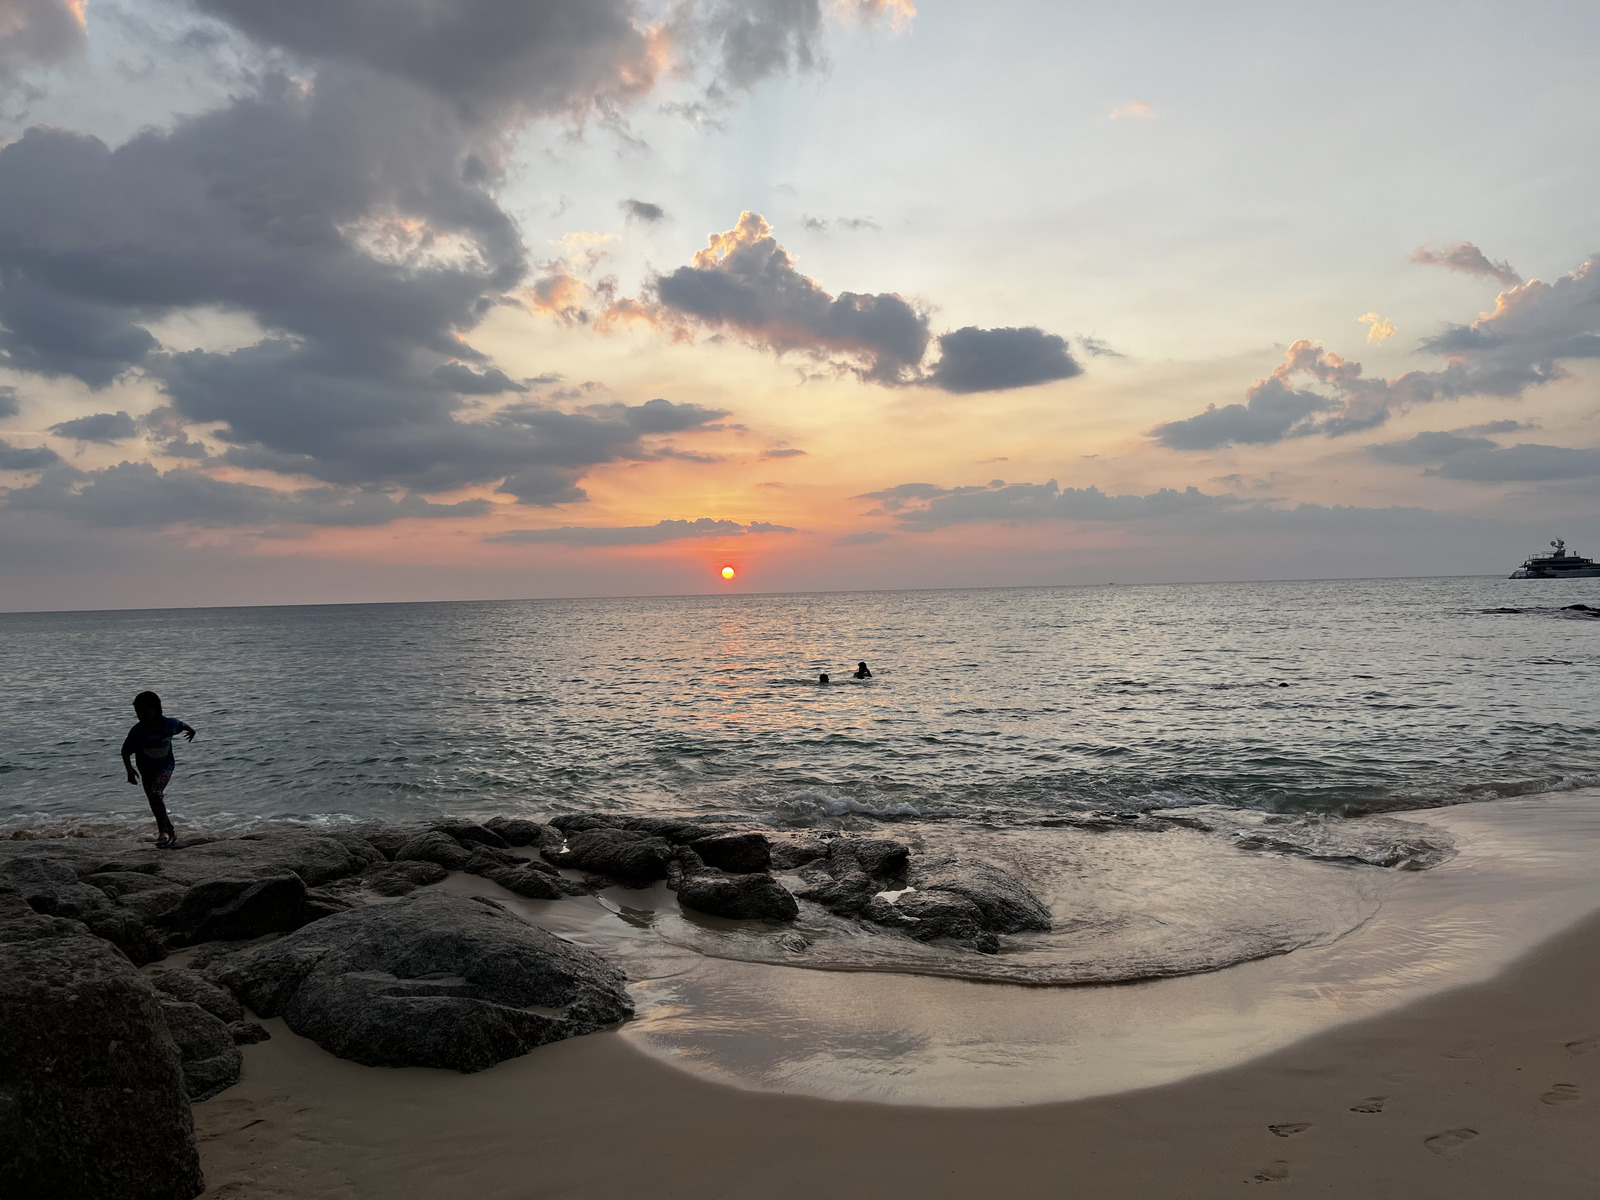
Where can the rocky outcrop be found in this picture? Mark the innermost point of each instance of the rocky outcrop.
(195, 987)
(519, 831)
(211, 1059)
(748, 897)
(432, 980)
(739, 853)
(398, 878)
(237, 909)
(92, 1098)
(627, 855)
(51, 888)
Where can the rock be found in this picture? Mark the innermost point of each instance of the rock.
(362, 850)
(92, 1097)
(880, 858)
(846, 895)
(396, 879)
(324, 902)
(1003, 903)
(533, 883)
(316, 858)
(430, 980)
(387, 839)
(435, 847)
(581, 822)
(486, 858)
(223, 910)
(740, 853)
(148, 896)
(927, 916)
(195, 987)
(211, 1058)
(741, 897)
(248, 1033)
(519, 831)
(789, 853)
(470, 833)
(622, 854)
(51, 888)
(678, 830)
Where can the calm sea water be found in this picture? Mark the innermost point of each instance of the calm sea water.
(1006, 706)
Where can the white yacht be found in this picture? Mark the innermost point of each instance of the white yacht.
(1560, 565)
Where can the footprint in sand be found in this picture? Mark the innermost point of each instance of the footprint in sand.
(1372, 1104)
(1450, 1140)
(1562, 1093)
(1275, 1172)
(1289, 1129)
(1583, 1046)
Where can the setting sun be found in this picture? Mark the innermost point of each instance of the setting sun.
(727, 572)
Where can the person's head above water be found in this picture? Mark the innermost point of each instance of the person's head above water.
(822, 678)
(148, 706)
(862, 672)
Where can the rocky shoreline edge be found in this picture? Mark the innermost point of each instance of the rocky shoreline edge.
(341, 933)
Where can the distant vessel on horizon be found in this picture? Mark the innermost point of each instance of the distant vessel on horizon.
(1559, 565)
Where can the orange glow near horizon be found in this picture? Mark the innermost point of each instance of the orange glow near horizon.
(727, 572)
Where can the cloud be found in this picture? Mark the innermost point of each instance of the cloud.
(1382, 329)
(635, 535)
(851, 224)
(137, 495)
(1427, 448)
(104, 428)
(788, 452)
(745, 282)
(870, 537)
(921, 506)
(1520, 345)
(1141, 110)
(464, 381)
(10, 406)
(643, 210)
(992, 360)
(1096, 348)
(26, 458)
(38, 33)
(1467, 259)
(1505, 426)
(1526, 462)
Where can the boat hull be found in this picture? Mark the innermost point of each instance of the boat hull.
(1585, 573)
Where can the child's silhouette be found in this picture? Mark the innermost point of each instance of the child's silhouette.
(149, 743)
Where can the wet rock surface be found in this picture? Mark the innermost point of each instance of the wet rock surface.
(747, 896)
(432, 980)
(211, 1058)
(626, 855)
(195, 987)
(739, 853)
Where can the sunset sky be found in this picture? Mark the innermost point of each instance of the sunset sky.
(333, 300)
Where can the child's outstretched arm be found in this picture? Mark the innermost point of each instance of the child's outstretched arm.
(186, 730)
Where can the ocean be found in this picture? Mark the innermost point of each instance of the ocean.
(1191, 776)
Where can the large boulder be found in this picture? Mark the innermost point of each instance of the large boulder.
(435, 847)
(532, 882)
(399, 878)
(740, 853)
(845, 895)
(470, 833)
(211, 1060)
(881, 858)
(929, 916)
(519, 831)
(742, 897)
(1003, 901)
(196, 987)
(430, 980)
(92, 1098)
(626, 855)
(52, 888)
(225, 910)
(148, 896)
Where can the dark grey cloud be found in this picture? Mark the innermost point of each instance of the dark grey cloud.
(922, 507)
(1492, 427)
(1426, 448)
(37, 33)
(10, 405)
(104, 428)
(745, 282)
(1097, 348)
(1520, 345)
(464, 381)
(26, 458)
(1526, 462)
(137, 495)
(635, 535)
(751, 40)
(1467, 259)
(993, 360)
(643, 210)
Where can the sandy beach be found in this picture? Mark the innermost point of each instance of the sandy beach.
(1487, 1090)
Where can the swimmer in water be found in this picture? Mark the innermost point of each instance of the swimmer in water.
(862, 672)
(822, 678)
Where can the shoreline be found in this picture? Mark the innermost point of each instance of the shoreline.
(1491, 1089)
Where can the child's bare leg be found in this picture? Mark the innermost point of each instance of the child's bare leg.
(155, 788)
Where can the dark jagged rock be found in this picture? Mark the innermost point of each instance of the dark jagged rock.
(211, 1058)
(789, 853)
(362, 850)
(433, 980)
(846, 895)
(626, 855)
(740, 853)
(519, 831)
(248, 1033)
(746, 897)
(927, 916)
(387, 839)
(316, 858)
(221, 910)
(324, 902)
(470, 832)
(92, 1097)
(678, 830)
(569, 823)
(52, 889)
(435, 847)
(880, 858)
(149, 896)
(1003, 902)
(398, 878)
(534, 883)
(195, 987)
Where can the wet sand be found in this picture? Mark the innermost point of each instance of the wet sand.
(1489, 1090)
